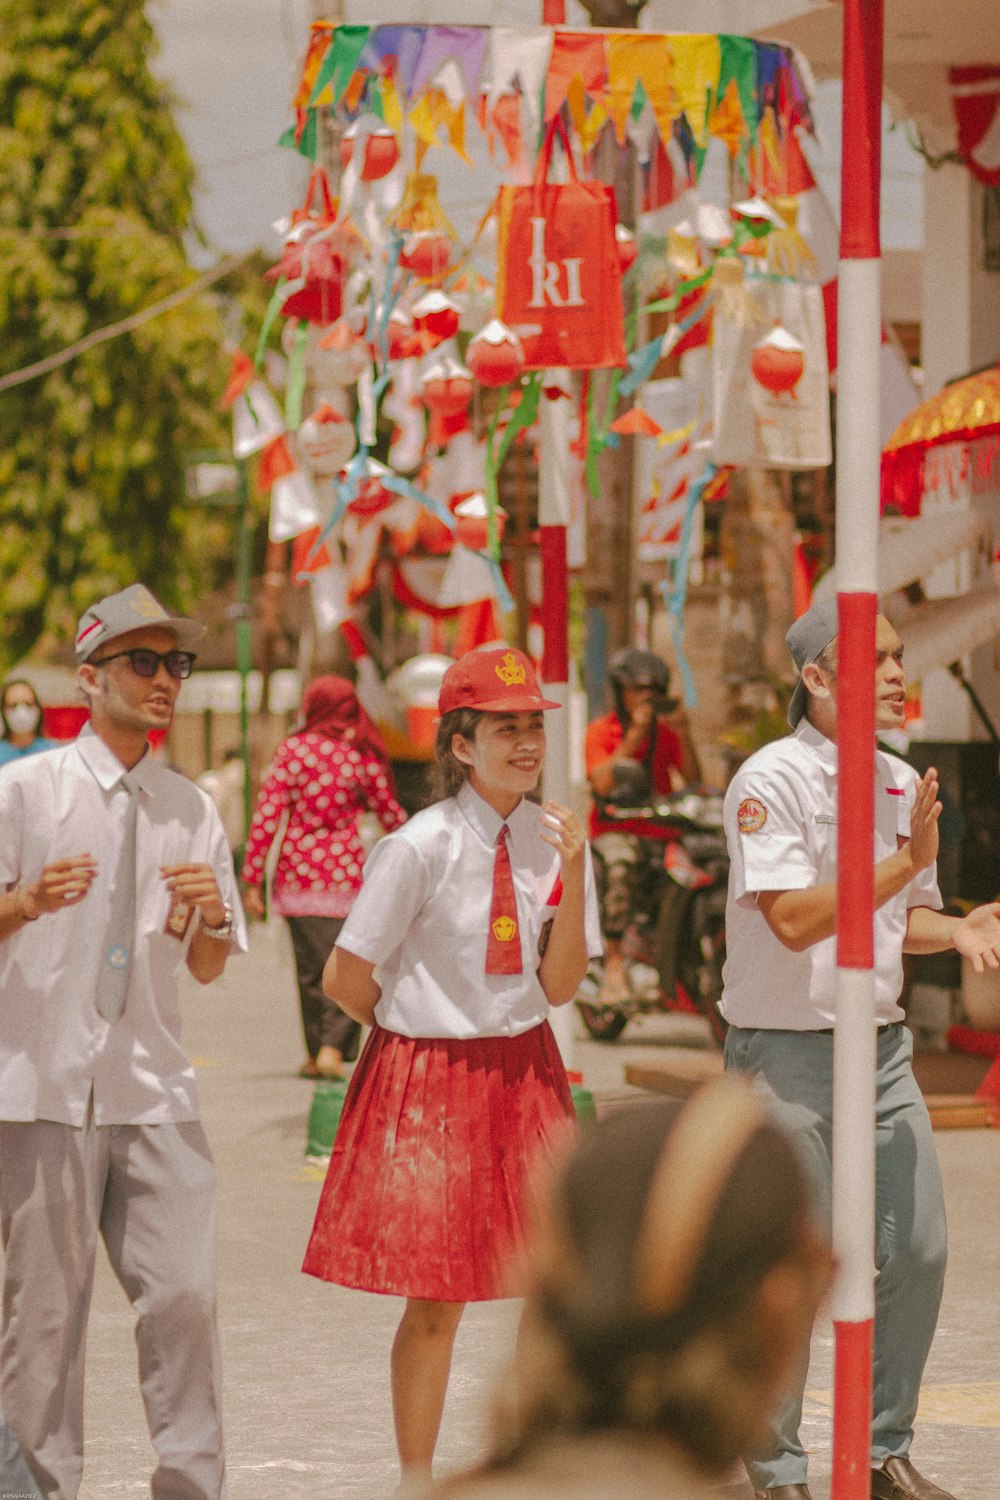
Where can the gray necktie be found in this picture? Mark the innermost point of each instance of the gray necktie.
(121, 916)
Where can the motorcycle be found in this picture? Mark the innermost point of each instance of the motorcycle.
(675, 942)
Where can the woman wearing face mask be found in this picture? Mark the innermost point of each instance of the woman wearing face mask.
(21, 715)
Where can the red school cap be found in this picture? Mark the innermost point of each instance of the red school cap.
(496, 679)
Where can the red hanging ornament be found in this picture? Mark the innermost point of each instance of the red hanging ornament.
(436, 315)
(495, 356)
(427, 254)
(778, 362)
(381, 154)
(447, 387)
(402, 338)
(626, 246)
(318, 253)
(472, 520)
(379, 151)
(372, 495)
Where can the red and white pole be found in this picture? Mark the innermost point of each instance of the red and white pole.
(859, 326)
(553, 515)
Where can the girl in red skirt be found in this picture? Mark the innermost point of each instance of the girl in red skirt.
(480, 913)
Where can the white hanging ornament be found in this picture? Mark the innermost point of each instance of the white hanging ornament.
(326, 440)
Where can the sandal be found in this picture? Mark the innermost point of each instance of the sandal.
(328, 1063)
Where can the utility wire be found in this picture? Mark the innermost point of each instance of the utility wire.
(112, 330)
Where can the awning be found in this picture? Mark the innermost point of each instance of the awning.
(910, 548)
(944, 630)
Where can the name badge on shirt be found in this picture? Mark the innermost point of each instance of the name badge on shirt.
(826, 818)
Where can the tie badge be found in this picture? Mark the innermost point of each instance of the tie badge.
(504, 929)
(118, 956)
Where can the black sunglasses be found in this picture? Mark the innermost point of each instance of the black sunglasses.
(146, 663)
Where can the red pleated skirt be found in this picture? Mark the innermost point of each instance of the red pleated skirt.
(423, 1194)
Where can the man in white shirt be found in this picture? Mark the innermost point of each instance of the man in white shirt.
(114, 871)
(780, 999)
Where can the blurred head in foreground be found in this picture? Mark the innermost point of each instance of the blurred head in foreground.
(672, 1282)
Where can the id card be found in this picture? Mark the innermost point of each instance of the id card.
(178, 920)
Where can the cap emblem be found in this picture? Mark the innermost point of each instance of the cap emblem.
(146, 607)
(511, 672)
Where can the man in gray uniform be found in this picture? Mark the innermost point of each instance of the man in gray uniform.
(114, 872)
(780, 999)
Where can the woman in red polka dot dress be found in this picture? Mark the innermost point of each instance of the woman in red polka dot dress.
(325, 776)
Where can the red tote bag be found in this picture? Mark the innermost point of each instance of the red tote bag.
(559, 277)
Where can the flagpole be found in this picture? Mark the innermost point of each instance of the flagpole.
(857, 510)
(553, 514)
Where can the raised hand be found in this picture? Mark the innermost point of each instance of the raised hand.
(561, 828)
(977, 937)
(924, 821)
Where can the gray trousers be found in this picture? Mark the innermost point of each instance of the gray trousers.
(793, 1070)
(149, 1192)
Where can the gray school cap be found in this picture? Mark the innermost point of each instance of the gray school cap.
(811, 634)
(132, 609)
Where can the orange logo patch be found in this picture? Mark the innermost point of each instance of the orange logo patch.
(504, 929)
(751, 815)
(510, 671)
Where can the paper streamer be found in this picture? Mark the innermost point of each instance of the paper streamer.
(673, 591)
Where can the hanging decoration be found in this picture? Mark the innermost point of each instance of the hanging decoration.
(495, 355)
(427, 254)
(380, 292)
(327, 441)
(778, 362)
(446, 387)
(975, 97)
(558, 270)
(318, 248)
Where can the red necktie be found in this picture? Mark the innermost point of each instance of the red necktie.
(503, 947)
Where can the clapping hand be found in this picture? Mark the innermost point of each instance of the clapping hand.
(977, 937)
(195, 885)
(924, 822)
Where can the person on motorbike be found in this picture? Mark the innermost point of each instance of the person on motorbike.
(642, 750)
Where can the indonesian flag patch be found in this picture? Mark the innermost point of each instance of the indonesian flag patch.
(751, 815)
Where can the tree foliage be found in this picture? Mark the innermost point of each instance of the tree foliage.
(95, 196)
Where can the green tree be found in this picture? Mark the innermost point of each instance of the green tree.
(95, 197)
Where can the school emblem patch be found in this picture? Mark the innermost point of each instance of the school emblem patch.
(751, 815)
(510, 671)
(504, 929)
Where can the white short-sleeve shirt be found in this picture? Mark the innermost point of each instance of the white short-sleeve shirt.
(423, 917)
(55, 1048)
(781, 826)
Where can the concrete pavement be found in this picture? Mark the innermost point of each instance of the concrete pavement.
(306, 1364)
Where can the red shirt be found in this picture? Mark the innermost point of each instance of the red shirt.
(325, 785)
(604, 736)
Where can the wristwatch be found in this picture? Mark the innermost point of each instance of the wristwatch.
(224, 930)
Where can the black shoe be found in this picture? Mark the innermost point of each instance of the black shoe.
(897, 1479)
(784, 1492)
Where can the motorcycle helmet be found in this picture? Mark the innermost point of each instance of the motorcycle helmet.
(631, 667)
